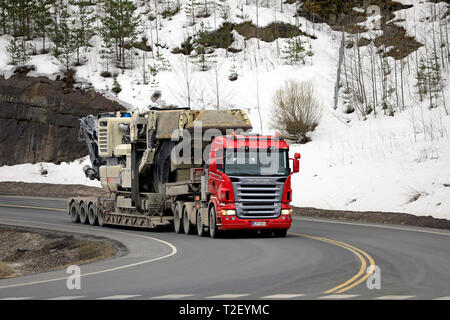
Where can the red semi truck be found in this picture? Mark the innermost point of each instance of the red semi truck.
(242, 182)
(246, 193)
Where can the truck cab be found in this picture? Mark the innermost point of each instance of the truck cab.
(249, 182)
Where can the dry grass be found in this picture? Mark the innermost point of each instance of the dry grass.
(95, 250)
(5, 271)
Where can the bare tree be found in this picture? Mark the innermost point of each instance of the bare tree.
(257, 23)
(257, 94)
(296, 110)
(220, 90)
(186, 79)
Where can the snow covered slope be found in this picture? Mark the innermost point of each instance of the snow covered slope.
(394, 164)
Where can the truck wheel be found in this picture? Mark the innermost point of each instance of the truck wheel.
(74, 214)
(83, 214)
(280, 233)
(177, 217)
(188, 228)
(100, 220)
(213, 232)
(200, 226)
(92, 215)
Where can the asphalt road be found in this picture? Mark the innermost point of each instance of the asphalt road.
(319, 259)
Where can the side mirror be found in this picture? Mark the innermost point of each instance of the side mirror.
(296, 163)
(296, 167)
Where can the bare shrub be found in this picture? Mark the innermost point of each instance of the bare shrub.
(5, 271)
(296, 110)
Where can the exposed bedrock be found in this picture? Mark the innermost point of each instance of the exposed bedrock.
(40, 119)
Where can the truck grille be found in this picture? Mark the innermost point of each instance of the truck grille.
(258, 197)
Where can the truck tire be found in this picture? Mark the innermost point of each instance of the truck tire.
(187, 225)
(280, 233)
(83, 214)
(92, 215)
(177, 217)
(74, 212)
(100, 219)
(213, 232)
(161, 171)
(200, 226)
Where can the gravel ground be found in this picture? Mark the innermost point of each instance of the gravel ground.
(30, 250)
(48, 190)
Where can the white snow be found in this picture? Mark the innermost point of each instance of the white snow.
(64, 173)
(376, 165)
(393, 164)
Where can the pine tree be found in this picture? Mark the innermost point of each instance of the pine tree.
(20, 13)
(204, 55)
(201, 58)
(82, 21)
(434, 78)
(19, 52)
(5, 13)
(64, 38)
(191, 10)
(203, 8)
(42, 20)
(120, 25)
(294, 51)
(224, 9)
(310, 53)
(116, 86)
(107, 55)
(154, 83)
(422, 78)
(164, 64)
(233, 73)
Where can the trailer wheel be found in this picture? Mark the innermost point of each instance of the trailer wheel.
(177, 217)
(74, 214)
(92, 215)
(200, 226)
(213, 232)
(188, 227)
(83, 214)
(100, 220)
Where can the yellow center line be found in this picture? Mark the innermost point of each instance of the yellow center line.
(31, 207)
(360, 254)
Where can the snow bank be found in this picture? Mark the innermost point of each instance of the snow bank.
(42, 172)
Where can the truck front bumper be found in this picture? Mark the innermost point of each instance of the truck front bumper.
(235, 223)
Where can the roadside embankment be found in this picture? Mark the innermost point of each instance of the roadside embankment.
(25, 250)
(375, 217)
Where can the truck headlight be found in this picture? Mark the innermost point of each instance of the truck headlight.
(286, 212)
(228, 212)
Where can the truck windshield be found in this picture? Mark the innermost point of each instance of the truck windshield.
(261, 162)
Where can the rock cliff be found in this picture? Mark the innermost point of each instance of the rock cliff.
(39, 119)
